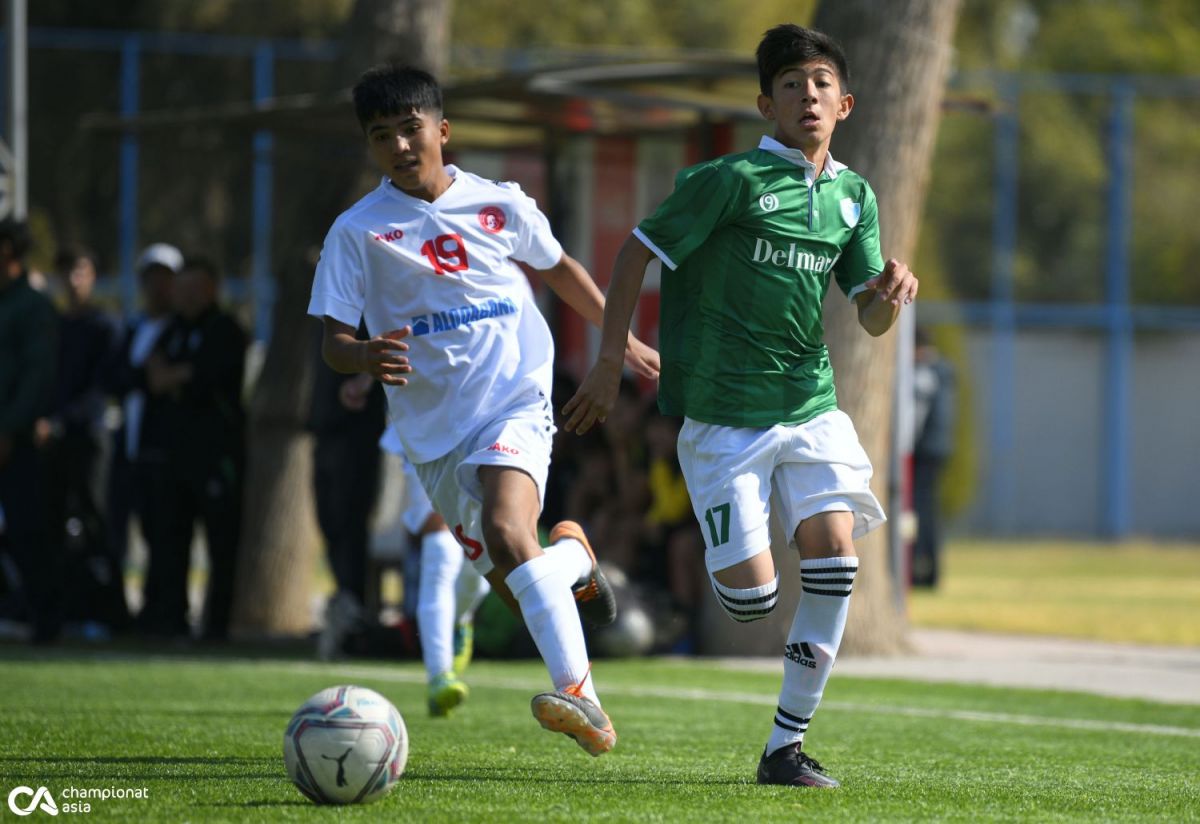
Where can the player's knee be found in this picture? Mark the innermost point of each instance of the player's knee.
(504, 541)
(748, 604)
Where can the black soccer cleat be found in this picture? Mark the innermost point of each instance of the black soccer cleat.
(593, 593)
(792, 768)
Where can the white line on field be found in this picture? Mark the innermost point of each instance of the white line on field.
(693, 694)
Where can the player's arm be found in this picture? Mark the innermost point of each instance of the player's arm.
(879, 304)
(571, 282)
(382, 357)
(598, 392)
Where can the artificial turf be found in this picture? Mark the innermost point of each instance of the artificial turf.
(203, 736)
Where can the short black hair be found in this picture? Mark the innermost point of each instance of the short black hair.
(200, 263)
(16, 234)
(390, 89)
(68, 256)
(788, 44)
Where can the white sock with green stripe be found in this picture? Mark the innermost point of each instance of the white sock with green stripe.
(812, 644)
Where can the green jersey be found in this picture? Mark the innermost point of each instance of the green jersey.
(751, 240)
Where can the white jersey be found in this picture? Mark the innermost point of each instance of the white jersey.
(446, 269)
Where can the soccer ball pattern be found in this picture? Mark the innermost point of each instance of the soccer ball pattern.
(345, 745)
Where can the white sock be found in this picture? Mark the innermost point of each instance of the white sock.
(542, 587)
(746, 605)
(572, 553)
(812, 644)
(441, 560)
(469, 593)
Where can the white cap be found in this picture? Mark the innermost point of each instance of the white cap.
(160, 254)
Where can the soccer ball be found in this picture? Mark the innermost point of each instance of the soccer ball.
(345, 745)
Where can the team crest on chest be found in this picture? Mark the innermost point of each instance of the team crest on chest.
(768, 202)
(850, 211)
(492, 219)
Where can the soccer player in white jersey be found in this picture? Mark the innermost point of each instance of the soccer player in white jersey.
(749, 243)
(448, 592)
(427, 259)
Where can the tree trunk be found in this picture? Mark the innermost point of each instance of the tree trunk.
(899, 53)
(899, 56)
(279, 538)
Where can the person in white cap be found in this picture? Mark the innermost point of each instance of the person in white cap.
(156, 268)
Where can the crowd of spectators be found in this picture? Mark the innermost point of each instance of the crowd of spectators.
(622, 481)
(104, 420)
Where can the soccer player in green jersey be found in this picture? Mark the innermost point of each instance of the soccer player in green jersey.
(749, 243)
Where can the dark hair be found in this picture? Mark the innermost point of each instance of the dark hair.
(16, 234)
(202, 264)
(390, 89)
(68, 256)
(788, 44)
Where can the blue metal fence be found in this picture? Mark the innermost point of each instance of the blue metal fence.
(132, 46)
(1002, 312)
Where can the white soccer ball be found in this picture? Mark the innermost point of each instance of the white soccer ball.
(345, 745)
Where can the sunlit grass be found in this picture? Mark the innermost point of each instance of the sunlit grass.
(1135, 592)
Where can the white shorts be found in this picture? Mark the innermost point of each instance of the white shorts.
(747, 484)
(520, 436)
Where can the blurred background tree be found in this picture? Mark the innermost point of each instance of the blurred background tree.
(194, 181)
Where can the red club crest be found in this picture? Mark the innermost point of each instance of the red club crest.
(492, 219)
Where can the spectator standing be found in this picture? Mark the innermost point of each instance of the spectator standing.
(72, 438)
(133, 468)
(28, 332)
(196, 373)
(347, 416)
(935, 391)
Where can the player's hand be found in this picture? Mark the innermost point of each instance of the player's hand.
(385, 359)
(642, 359)
(895, 284)
(595, 398)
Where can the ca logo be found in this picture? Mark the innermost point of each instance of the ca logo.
(42, 795)
(768, 202)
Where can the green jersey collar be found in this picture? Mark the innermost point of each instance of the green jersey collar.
(832, 167)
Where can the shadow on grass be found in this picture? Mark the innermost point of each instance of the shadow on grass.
(92, 767)
(573, 780)
(263, 803)
(149, 649)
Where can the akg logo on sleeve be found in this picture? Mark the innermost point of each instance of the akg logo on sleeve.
(41, 797)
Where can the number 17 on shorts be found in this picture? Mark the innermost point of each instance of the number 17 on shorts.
(717, 518)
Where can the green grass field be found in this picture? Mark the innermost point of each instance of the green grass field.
(203, 735)
(1135, 592)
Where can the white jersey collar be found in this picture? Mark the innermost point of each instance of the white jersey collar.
(770, 144)
(395, 191)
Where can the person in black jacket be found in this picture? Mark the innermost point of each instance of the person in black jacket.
(131, 468)
(28, 334)
(346, 422)
(194, 379)
(73, 437)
